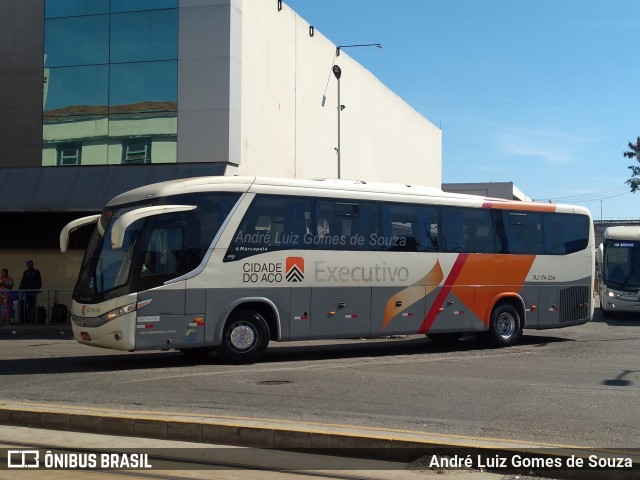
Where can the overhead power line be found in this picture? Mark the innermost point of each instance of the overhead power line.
(588, 197)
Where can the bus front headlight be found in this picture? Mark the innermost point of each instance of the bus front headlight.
(118, 312)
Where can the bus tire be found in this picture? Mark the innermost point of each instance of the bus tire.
(445, 338)
(245, 337)
(505, 327)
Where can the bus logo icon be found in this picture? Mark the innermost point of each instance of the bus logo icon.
(295, 269)
(23, 459)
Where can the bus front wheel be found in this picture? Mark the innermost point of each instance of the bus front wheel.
(505, 327)
(245, 337)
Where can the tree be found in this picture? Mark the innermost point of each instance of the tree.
(634, 152)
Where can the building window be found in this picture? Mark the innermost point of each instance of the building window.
(110, 66)
(136, 150)
(69, 153)
(143, 36)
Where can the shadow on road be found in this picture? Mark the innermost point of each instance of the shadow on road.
(622, 380)
(290, 352)
(618, 319)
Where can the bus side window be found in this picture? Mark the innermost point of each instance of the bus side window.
(468, 230)
(452, 230)
(327, 223)
(427, 229)
(481, 236)
(164, 251)
(365, 229)
(523, 232)
(346, 225)
(565, 233)
(333, 223)
(409, 228)
(296, 220)
(275, 222)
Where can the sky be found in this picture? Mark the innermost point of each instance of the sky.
(541, 93)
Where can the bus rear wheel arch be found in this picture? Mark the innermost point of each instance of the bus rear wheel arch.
(245, 336)
(505, 326)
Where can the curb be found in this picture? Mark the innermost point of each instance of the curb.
(340, 440)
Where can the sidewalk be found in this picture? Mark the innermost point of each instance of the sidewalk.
(17, 331)
(359, 443)
(219, 461)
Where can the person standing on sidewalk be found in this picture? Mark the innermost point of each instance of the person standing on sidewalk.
(6, 284)
(31, 281)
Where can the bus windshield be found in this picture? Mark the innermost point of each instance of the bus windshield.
(621, 264)
(154, 248)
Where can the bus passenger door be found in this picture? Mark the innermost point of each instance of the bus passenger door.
(164, 322)
(338, 312)
(299, 316)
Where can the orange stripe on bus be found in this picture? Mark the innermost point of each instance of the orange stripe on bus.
(521, 206)
(443, 293)
(497, 274)
(413, 294)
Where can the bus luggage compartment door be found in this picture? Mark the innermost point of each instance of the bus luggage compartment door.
(397, 312)
(169, 331)
(340, 312)
(299, 321)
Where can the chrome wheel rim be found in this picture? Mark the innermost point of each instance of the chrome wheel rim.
(506, 325)
(242, 337)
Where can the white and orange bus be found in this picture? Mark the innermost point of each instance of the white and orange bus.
(231, 263)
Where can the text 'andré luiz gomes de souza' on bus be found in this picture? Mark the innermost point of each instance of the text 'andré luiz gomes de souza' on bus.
(292, 240)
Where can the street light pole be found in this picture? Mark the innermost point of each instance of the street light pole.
(340, 47)
(338, 73)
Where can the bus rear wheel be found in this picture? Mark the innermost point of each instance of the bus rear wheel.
(505, 327)
(245, 337)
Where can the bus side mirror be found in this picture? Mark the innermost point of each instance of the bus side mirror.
(72, 227)
(123, 222)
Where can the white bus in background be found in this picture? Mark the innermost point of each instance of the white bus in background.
(619, 270)
(231, 263)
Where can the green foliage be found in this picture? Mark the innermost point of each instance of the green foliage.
(634, 152)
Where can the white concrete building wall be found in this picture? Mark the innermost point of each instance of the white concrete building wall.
(488, 189)
(287, 132)
(250, 86)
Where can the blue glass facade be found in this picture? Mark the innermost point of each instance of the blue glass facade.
(110, 82)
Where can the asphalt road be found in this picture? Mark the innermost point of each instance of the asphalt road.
(574, 386)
